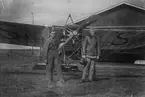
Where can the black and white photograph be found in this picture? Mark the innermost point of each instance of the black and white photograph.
(72, 48)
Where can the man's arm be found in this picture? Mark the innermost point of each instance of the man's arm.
(45, 47)
(67, 40)
(98, 47)
(84, 43)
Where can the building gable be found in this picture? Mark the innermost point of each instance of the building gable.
(122, 15)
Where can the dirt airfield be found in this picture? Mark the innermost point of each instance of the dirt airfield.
(22, 82)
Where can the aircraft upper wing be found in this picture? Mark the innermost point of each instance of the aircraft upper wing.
(119, 38)
(21, 34)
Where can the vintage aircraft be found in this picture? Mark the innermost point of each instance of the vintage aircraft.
(122, 38)
(116, 43)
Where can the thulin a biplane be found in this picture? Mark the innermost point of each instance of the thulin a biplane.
(121, 29)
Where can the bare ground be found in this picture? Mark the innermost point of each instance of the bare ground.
(35, 85)
(18, 79)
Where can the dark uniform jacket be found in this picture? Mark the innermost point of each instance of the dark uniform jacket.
(91, 46)
(50, 44)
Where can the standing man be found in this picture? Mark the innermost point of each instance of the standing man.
(51, 53)
(91, 52)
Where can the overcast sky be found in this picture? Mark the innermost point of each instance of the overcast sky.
(53, 12)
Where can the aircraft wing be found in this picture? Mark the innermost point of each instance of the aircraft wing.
(21, 34)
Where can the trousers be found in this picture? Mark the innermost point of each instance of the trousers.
(89, 69)
(53, 63)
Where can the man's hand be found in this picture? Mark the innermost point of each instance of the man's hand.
(83, 56)
(59, 52)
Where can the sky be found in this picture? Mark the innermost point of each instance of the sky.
(53, 12)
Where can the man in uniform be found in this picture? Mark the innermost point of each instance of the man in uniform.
(51, 53)
(91, 52)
